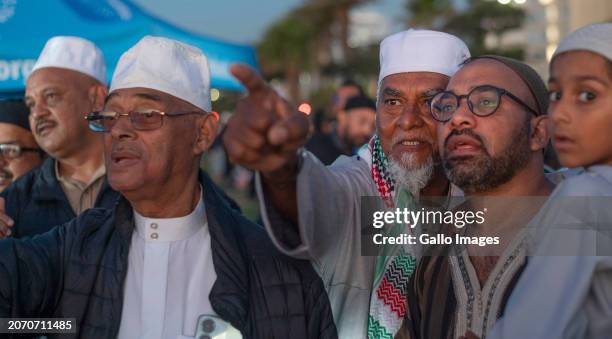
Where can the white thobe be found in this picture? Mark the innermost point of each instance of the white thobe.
(566, 289)
(170, 275)
(329, 205)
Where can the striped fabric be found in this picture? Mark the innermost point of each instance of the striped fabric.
(444, 300)
(388, 303)
(394, 264)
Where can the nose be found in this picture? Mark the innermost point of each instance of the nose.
(559, 113)
(462, 117)
(38, 110)
(122, 129)
(411, 117)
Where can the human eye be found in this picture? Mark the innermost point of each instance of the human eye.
(392, 102)
(148, 113)
(51, 95)
(586, 96)
(554, 96)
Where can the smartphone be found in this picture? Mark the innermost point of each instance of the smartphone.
(213, 327)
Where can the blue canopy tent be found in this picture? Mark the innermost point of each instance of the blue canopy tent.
(114, 25)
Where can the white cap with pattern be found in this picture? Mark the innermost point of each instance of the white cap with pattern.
(168, 66)
(73, 53)
(596, 38)
(421, 51)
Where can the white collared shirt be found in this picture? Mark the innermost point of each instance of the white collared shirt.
(170, 275)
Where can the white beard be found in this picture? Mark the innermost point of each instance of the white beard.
(410, 175)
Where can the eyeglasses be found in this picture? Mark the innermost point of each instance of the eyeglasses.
(142, 120)
(482, 101)
(14, 151)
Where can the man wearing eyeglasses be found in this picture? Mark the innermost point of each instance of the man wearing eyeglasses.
(491, 133)
(172, 250)
(19, 152)
(67, 81)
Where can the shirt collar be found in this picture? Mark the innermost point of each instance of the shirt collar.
(603, 170)
(171, 229)
(99, 173)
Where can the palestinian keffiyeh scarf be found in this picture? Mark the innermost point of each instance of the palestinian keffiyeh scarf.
(394, 264)
(380, 172)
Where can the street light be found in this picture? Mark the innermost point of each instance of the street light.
(305, 108)
(214, 94)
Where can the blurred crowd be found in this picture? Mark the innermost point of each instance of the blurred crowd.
(112, 215)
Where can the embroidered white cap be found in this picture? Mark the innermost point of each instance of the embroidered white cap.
(421, 51)
(168, 66)
(596, 38)
(73, 53)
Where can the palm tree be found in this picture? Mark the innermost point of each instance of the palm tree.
(286, 48)
(301, 40)
(332, 16)
(472, 25)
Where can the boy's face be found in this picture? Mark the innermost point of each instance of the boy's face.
(581, 108)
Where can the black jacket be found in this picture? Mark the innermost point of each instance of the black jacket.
(327, 147)
(78, 270)
(37, 203)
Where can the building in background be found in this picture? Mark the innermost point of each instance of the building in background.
(548, 21)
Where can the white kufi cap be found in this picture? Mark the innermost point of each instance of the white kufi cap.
(595, 38)
(168, 66)
(421, 51)
(75, 54)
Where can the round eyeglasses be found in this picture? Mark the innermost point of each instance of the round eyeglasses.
(482, 101)
(142, 120)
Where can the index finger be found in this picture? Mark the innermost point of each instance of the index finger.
(249, 77)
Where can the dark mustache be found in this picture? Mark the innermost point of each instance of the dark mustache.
(37, 122)
(123, 147)
(466, 131)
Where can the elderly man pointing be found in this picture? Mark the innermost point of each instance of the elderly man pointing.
(172, 251)
(313, 211)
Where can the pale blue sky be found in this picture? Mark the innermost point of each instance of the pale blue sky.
(241, 21)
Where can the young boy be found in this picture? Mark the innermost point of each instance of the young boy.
(566, 289)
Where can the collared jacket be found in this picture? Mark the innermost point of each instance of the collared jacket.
(37, 203)
(78, 271)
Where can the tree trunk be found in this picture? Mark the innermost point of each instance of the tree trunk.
(292, 75)
(342, 15)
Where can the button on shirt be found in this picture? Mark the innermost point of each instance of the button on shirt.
(170, 275)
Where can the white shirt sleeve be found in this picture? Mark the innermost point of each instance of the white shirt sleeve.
(329, 199)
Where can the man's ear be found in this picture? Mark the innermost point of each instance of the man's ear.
(540, 135)
(207, 131)
(97, 94)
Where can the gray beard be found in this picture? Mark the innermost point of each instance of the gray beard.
(410, 175)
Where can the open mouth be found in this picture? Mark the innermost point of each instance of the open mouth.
(124, 158)
(463, 145)
(5, 178)
(411, 144)
(562, 138)
(562, 141)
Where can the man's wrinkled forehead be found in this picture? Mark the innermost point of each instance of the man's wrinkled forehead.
(136, 96)
(484, 72)
(420, 83)
(53, 76)
(144, 96)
